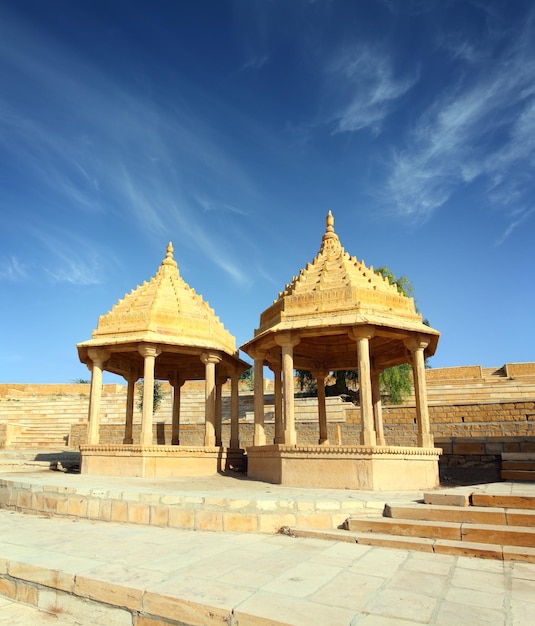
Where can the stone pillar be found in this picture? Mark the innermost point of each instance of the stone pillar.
(177, 383)
(235, 409)
(210, 360)
(363, 334)
(320, 375)
(149, 352)
(219, 410)
(279, 422)
(259, 436)
(130, 397)
(98, 357)
(417, 346)
(287, 343)
(377, 408)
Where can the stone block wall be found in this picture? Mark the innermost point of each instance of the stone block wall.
(193, 434)
(496, 419)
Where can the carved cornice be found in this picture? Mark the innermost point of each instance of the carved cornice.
(356, 450)
(155, 449)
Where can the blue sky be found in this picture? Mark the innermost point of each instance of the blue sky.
(231, 128)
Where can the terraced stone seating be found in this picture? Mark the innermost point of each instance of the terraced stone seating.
(486, 525)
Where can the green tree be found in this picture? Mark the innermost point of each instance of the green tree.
(248, 377)
(395, 382)
(157, 399)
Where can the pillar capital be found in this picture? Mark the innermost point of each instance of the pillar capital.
(362, 332)
(98, 355)
(257, 354)
(276, 368)
(132, 375)
(211, 358)
(319, 373)
(235, 372)
(286, 339)
(176, 380)
(275, 364)
(416, 342)
(149, 349)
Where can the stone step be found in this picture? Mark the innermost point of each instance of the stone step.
(405, 527)
(509, 501)
(475, 533)
(423, 544)
(29, 445)
(30, 433)
(518, 474)
(504, 535)
(467, 496)
(518, 465)
(472, 514)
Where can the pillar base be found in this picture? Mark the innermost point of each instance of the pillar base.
(259, 440)
(426, 441)
(290, 438)
(368, 438)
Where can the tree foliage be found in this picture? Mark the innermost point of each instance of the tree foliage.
(157, 399)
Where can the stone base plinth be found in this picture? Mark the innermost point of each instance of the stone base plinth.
(156, 461)
(385, 468)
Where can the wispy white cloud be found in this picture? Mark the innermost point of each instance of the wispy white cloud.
(518, 218)
(367, 87)
(254, 63)
(71, 258)
(13, 270)
(106, 146)
(211, 205)
(479, 129)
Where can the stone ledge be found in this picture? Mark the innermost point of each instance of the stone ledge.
(187, 512)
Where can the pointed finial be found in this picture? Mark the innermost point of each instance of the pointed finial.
(169, 256)
(330, 222)
(329, 231)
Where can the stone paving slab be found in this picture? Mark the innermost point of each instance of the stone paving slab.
(83, 572)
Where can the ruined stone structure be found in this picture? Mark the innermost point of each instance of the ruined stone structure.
(162, 330)
(338, 314)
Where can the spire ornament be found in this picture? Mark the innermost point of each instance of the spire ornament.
(169, 260)
(329, 230)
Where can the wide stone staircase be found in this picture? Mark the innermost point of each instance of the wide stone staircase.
(486, 525)
(492, 385)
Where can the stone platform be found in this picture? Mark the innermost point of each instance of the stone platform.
(224, 502)
(374, 468)
(75, 569)
(158, 461)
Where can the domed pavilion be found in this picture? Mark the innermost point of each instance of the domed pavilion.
(338, 314)
(162, 330)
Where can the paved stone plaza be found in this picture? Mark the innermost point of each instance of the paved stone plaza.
(88, 570)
